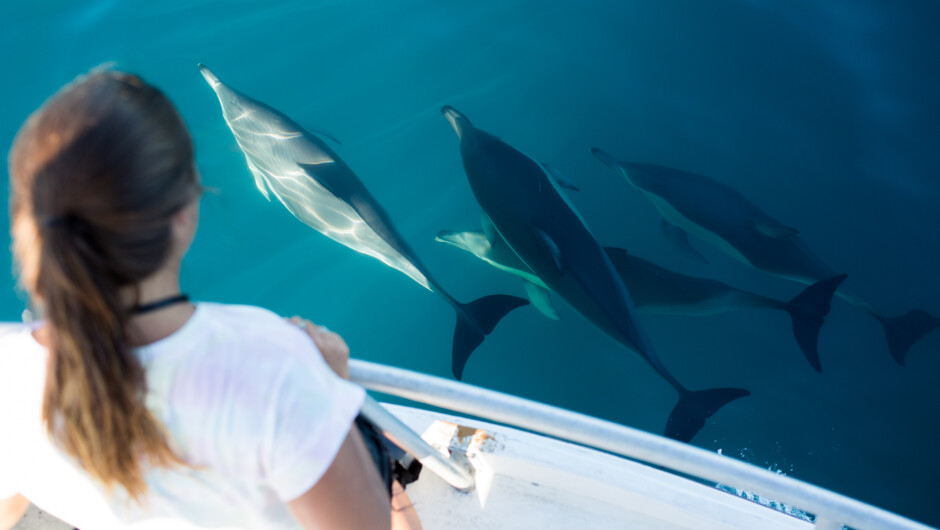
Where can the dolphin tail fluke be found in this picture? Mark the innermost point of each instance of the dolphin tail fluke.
(476, 320)
(694, 407)
(807, 310)
(903, 331)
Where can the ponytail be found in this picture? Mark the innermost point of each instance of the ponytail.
(94, 395)
(97, 174)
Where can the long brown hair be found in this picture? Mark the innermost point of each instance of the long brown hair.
(96, 176)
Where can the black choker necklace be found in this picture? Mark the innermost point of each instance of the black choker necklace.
(159, 304)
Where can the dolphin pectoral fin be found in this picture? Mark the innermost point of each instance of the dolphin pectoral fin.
(470, 241)
(615, 254)
(771, 228)
(559, 177)
(259, 180)
(607, 159)
(489, 229)
(807, 310)
(552, 249)
(541, 299)
(680, 239)
(694, 407)
(452, 238)
(262, 187)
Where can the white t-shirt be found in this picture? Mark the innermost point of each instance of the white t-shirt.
(247, 400)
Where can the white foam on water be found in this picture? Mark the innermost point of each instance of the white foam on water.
(747, 455)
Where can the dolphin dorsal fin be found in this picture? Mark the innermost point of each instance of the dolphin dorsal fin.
(259, 180)
(541, 299)
(320, 132)
(552, 248)
(558, 177)
(772, 228)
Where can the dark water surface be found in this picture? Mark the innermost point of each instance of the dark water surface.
(825, 114)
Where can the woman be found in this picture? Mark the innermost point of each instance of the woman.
(127, 406)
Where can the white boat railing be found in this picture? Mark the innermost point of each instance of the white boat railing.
(831, 510)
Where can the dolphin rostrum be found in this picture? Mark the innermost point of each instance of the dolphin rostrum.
(526, 207)
(695, 204)
(657, 290)
(320, 190)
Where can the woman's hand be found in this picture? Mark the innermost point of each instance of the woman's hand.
(331, 345)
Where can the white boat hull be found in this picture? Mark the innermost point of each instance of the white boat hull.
(525, 480)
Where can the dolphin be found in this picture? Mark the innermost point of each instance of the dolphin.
(320, 190)
(695, 204)
(525, 206)
(659, 291)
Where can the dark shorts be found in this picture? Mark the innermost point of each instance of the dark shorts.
(393, 463)
(378, 449)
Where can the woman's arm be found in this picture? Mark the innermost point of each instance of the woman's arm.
(12, 510)
(349, 496)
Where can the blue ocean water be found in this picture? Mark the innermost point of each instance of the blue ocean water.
(825, 114)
